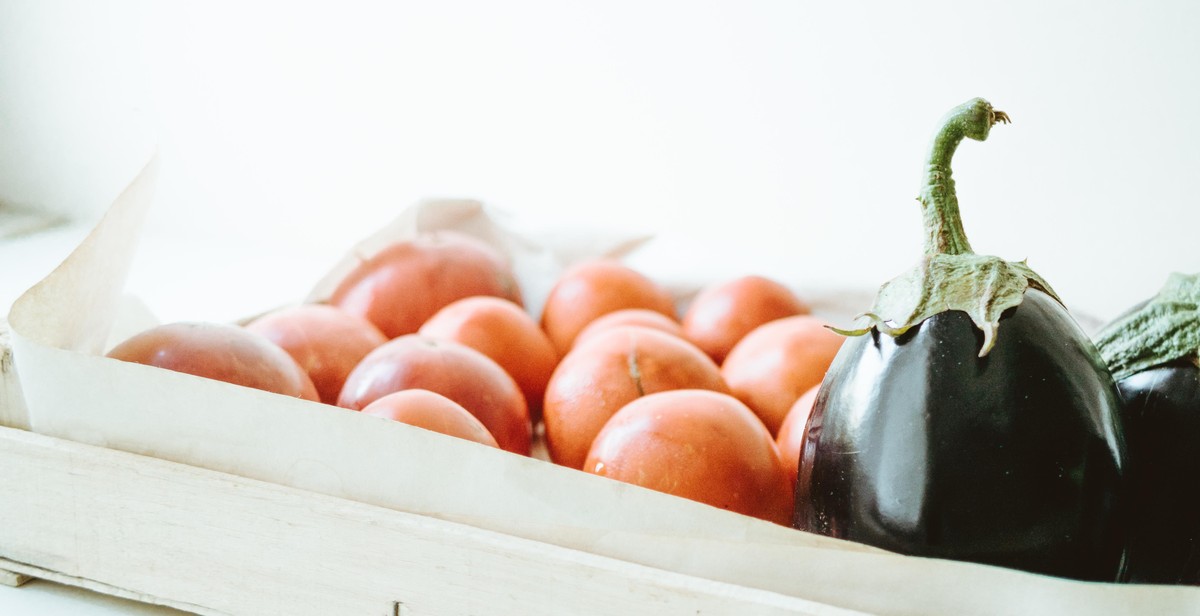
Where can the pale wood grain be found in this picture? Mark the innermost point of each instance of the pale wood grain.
(31, 573)
(12, 578)
(214, 543)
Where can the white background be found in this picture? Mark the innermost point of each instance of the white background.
(785, 137)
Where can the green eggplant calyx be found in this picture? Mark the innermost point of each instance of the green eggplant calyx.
(979, 285)
(951, 276)
(1165, 329)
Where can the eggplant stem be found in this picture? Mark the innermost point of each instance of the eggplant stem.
(944, 232)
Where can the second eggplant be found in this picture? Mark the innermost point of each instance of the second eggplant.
(1153, 352)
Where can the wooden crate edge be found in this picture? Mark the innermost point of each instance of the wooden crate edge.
(214, 543)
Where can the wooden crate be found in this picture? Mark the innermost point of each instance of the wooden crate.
(214, 543)
(211, 542)
(206, 525)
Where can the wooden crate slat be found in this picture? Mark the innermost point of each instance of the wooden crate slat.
(217, 543)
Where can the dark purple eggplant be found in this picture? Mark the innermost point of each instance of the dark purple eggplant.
(1152, 351)
(972, 419)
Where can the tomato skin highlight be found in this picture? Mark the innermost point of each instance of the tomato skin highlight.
(1161, 411)
(1015, 459)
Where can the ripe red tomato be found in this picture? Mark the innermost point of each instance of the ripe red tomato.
(778, 361)
(792, 432)
(451, 369)
(504, 332)
(723, 313)
(425, 409)
(643, 317)
(591, 289)
(218, 351)
(399, 288)
(325, 341)
(606, 372)
(697, 444)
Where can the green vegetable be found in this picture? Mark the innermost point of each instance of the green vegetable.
(1164, 329)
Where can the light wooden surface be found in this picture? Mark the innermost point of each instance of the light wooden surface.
(12, 578)
(212, 543)
(43, 597)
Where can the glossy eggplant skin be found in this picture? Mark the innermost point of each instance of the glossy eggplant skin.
(918, 446)
(1162, 427)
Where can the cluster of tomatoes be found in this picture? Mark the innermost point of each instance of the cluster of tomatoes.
(709, 404)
